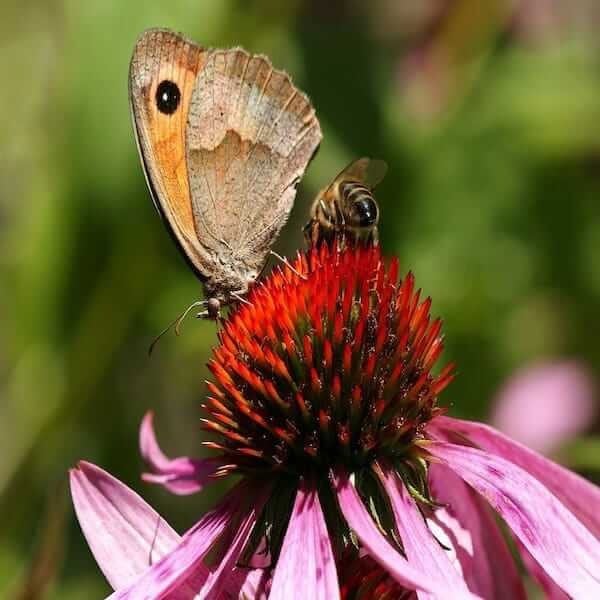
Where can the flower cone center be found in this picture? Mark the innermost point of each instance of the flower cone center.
(333, 366)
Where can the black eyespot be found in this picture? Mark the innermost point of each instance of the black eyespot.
(168, 97)
(365, 211)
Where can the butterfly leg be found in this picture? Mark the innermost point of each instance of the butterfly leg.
(286, 262)
(240, 298)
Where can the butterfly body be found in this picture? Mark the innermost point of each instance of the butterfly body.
(224, 139)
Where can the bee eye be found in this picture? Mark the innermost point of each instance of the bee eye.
(365, 211)
(168, 97)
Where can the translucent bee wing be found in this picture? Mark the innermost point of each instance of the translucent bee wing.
(376, 171)
(365, 170)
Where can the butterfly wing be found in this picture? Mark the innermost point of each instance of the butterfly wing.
(163, 56)
(250, 135)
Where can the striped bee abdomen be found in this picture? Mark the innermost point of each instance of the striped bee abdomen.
(360, 208)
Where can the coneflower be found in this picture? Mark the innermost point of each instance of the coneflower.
(325, 402)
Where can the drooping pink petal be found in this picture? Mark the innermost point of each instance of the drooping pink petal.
(551, 590)
(487, 564)
(181, 566)
(254, 584)
(579, 495)
(182, 475)
(422, 549)
(561, 395)
(219, 579)
(306, 567)
(379, 548)
(124, 533)
(568, 552)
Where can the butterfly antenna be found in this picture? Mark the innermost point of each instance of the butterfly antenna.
(176, 324)
(185, 313)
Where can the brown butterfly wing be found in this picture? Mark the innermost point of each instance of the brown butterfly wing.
(161, 55)
(250, 136)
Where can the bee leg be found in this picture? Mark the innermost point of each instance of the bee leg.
(375, 236)
(318, 232)
(308, 231)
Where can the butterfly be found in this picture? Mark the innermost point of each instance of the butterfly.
(224, 139)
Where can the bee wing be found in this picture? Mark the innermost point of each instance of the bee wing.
(364, 170)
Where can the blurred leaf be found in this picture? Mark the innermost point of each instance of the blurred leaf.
(583, 454)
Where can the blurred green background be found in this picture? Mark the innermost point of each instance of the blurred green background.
(488, 115)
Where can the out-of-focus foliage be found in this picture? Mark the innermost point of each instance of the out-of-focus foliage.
(488, 117)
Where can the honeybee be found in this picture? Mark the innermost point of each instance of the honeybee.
(347, 205)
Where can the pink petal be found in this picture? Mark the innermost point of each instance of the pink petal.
(220, 579)
(379, 548)
(254, 584)
(124, 533)
(577, 494)
(557, 540)
(487, 564)
(422, 549)
(561, 396)
(551, 590)
(306, 567)
(182, 565)
(182, 475)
